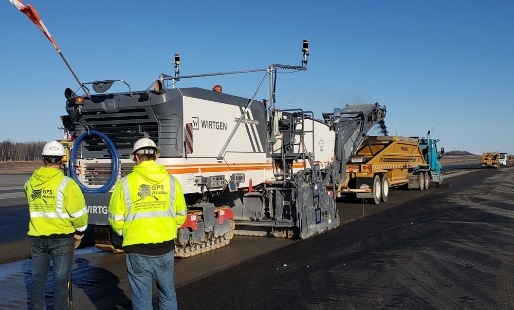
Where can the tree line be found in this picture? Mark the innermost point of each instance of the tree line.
(20, 151)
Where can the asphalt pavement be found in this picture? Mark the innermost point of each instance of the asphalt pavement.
(452, 249)
(446, 248)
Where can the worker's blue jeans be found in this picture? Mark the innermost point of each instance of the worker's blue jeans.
(59, 252)
(142, 270)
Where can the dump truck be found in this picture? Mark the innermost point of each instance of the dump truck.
(382, 162)
(490, 160)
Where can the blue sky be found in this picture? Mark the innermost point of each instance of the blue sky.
(445, 66)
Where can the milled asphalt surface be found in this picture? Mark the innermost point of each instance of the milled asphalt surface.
(452, 249)
(447, 248)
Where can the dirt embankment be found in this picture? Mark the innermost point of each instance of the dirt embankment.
(456, 159)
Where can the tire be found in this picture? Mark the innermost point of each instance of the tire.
(377, 192)
(421, 177)
(385, 188)
(427, 180)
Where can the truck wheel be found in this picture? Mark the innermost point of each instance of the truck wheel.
(421, 181)
(427, 180)
(377, 186)
(385, 188)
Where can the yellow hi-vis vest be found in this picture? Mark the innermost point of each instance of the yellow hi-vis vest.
(57, 207)
(143, 213)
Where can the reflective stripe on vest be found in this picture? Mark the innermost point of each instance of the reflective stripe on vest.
(128, 203)
(59, 200)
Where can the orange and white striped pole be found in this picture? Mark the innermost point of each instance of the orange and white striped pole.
(36, 19)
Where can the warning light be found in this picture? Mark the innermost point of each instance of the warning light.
(305, 46)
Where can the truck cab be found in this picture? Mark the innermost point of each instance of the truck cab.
(503, 159)
(432, 156)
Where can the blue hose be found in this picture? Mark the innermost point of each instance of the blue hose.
(115, 162)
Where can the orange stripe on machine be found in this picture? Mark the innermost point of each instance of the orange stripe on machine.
(222, 167)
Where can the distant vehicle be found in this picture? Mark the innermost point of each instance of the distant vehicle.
(490, 160)
(503, 159)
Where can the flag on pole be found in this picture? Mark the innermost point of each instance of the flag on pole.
(34, 17)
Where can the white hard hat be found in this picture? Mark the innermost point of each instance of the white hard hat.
(145, 143)
(53, 148)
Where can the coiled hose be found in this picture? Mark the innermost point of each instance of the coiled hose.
(115, 162)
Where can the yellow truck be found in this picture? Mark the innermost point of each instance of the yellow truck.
(381, 162)
(490, 160)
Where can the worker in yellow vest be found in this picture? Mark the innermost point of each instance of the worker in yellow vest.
(146, 208)
(58, 220)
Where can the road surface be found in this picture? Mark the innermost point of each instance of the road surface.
(445, 248)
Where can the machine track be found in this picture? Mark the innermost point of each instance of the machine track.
(184, 251)
(207, 245)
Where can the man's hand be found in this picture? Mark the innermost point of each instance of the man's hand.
(116, 240)
(78, 239)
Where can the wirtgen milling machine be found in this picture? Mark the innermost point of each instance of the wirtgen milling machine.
(246, 166)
